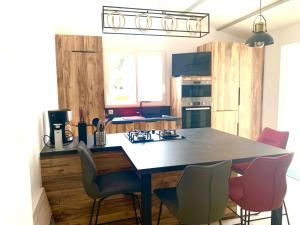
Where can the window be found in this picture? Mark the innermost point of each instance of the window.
(134, 77)
(288, 108)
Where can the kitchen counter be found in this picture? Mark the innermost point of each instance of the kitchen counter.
(62, 180)
(62, 175)
(132, 119)
(113, 143)
(128, 123)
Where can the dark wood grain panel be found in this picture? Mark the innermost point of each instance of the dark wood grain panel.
(78, 43)
(125, 127)
(80, 76)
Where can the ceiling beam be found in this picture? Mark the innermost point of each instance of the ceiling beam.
(267, 7)
(193, 6)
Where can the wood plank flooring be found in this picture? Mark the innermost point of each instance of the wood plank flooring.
(291, 199)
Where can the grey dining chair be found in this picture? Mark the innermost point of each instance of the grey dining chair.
(99, 187)
(201, 194)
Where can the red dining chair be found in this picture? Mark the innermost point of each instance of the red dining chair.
(262, 186)
(268, 136)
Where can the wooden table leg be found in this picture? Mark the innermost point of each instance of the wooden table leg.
(146, 199)
(276, 218)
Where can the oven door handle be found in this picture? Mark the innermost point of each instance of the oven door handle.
(197, 109)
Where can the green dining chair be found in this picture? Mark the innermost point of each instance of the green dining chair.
(100, 187)
(201, 195)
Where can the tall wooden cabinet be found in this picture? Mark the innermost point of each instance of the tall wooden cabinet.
(237, 73)
(251, 86)
(80, 75)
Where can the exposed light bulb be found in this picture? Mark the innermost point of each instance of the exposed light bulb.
(259, 44)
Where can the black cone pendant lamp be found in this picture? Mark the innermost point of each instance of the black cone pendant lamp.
(260, 37)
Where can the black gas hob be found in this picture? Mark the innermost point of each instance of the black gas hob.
(141, 136)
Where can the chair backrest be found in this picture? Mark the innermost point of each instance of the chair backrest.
(273, 137)
(89, 171)
(202, 193)
(264, 183)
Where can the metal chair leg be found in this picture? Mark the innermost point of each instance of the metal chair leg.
(92, 212)
(241, 216)
(286, 213)
(134, 207)
(248, 217)
(160, 209)
(98, 209)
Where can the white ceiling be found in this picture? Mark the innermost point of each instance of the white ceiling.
(223, 12)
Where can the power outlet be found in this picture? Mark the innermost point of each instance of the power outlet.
(110, 112)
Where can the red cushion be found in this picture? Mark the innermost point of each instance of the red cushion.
(273, 137)
(236, 192)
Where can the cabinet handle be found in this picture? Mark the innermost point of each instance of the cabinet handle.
(194, 109)
(239, 96)
(226, 110)
(83, 51)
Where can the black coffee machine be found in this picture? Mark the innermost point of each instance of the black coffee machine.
(63, 117)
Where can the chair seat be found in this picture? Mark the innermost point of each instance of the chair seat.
(240, 167)
(121, 182)
(168, 196)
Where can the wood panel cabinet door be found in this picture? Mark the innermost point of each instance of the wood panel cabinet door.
(225, 75)
(81, 85)
(251, 80)
(80, 75)
(78, 43)
(225, 121)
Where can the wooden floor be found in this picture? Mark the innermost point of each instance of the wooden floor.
(292, 201)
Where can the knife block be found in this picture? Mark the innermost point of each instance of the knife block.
(82, 132)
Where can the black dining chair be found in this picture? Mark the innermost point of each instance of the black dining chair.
(201, 195)
(100, 187)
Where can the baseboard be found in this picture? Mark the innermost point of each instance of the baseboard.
(41, 210)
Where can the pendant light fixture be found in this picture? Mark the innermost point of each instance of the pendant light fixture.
(260, 37)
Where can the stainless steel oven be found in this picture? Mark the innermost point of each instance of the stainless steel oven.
(196, 114)
(201, 88)
(196, 103)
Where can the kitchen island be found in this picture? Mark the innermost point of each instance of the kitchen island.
(128, 123)
(159, 164)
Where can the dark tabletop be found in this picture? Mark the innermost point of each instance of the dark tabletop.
(200, 146)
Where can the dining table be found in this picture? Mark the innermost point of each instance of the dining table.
(197, 146)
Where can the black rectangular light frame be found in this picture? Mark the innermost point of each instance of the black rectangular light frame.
(156, 15)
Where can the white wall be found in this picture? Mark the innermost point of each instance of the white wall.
(28, 87)
(281, 37)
